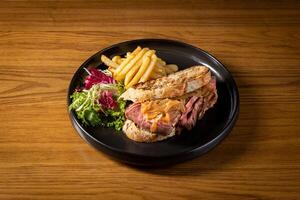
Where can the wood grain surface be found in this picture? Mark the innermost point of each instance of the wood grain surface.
(42, 43)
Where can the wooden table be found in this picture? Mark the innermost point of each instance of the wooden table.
(42, 43)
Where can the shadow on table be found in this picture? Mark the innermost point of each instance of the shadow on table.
(231, 149)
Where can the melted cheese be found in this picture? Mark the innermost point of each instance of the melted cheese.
(166, 118)
(153, 127)
(158, 110)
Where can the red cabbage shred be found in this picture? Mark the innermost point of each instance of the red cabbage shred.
(106, 99)
(96, 77)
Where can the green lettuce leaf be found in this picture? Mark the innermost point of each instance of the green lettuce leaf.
(90, 112)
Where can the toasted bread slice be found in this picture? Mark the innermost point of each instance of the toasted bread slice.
(171, 86)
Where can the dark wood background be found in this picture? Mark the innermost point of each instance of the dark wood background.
(42, 43)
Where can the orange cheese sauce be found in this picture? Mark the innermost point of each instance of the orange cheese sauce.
(158, 110)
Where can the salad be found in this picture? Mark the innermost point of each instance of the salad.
(97, 101)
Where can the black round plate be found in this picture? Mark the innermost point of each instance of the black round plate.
(208, 132)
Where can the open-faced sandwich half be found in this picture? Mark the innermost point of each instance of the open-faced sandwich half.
(163, 107)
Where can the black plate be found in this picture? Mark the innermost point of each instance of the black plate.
(208, 132)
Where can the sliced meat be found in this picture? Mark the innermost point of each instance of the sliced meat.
(133, 109)
(208, 102)
(189, 117)
(193, 117)
(188, 108)
(133, 112)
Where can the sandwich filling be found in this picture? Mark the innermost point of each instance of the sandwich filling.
(162, 116)
(158, 116)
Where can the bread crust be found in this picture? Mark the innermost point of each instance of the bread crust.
(140, 135)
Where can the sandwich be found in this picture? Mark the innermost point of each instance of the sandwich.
(165, 106)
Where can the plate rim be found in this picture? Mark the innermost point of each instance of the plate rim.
(222, 133)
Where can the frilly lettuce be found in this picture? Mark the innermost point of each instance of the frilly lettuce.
(99, 104)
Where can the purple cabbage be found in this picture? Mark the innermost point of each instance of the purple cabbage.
(106, 99)
(96, 77)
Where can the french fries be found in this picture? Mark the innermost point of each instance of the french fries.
(135, 69)
(149, 70)
(108, 62)
(140, 73)
(122, 74)
(117, 59)
(138, 66)
(132, 72)
(127, 60)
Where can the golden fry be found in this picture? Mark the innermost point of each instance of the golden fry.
(120, 60)
(129, 76)
(132, 72)
(140, 73)
(161, 62)
(115, 59)
(108, 62)
(125, 62)
(168, 71)
(122, 74)
(171, 68)
(136, 51)
(149, 70)
(159, 68)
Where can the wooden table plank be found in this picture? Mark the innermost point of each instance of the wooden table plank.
(42, 43)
